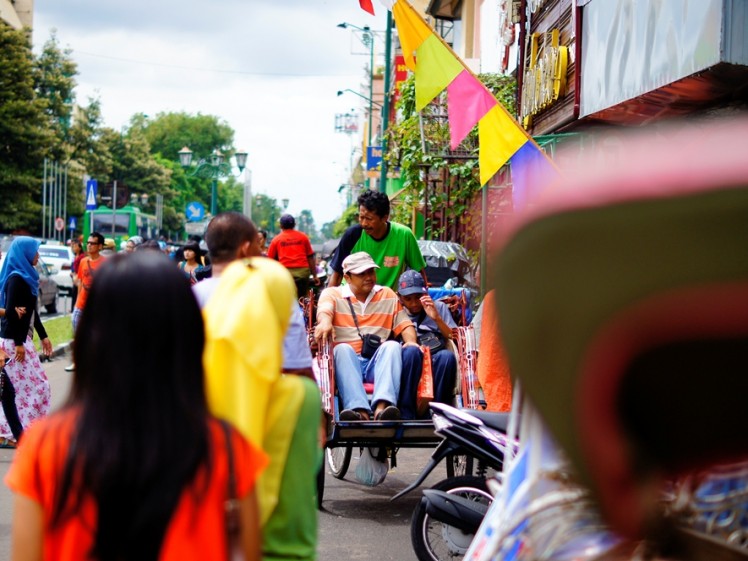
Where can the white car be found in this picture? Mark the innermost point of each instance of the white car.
(61, 258)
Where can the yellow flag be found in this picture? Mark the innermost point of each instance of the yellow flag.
(436, 67)
(499, 138)
(412, 30)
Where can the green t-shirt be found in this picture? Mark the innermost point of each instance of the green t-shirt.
(394, 253)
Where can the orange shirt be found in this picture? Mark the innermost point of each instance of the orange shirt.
(85, 273)
(292, 248)
(197, 528)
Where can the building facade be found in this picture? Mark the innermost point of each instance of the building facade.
(17, 13)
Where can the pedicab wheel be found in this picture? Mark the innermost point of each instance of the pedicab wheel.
(339, 459)
(459, 464)
(435, 541)
(320, 485)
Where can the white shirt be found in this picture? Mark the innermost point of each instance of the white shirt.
(296, 353)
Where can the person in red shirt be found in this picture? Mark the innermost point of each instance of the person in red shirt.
(294, 251)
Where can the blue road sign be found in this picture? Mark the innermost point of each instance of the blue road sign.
(195, 212)
(91, 186)
(71, 224)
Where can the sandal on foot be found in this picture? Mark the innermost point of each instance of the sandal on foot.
(389, 413)
(7, 443)
(350, 415)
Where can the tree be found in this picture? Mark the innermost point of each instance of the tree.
(168, 133)
(327, 230)
(346, 220)
(54, 82)
(25, 136)
(305, 223)
(76, 130)
(266, 213)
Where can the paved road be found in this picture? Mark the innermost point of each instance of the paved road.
(357, 523)
(60, 383)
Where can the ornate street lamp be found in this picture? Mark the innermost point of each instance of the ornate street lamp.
(213, 168)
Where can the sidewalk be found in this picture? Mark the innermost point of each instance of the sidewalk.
(61, 349)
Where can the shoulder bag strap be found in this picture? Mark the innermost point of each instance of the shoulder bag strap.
(86, 261)
(355, 320)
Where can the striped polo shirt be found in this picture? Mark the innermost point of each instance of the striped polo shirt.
(381, 314)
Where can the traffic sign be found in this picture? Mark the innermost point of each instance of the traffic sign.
(59, 224)
(72, 224)
(195, 211)
(91, 186)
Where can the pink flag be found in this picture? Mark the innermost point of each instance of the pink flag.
(467, 102)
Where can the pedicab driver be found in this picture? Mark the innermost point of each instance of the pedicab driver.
(377, 311)
(392, 246)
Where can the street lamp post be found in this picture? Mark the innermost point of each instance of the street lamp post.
(367, 38)
(362, 96)
(213, 168)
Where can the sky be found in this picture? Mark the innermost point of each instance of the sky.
(270, 68)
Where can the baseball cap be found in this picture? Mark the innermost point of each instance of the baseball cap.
(287, 221)
(411, 282)
(358, 263)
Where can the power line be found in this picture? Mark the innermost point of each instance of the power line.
(199, 69)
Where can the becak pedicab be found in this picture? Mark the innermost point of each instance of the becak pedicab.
(385, 438)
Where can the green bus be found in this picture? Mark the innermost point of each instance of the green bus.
(120, 224)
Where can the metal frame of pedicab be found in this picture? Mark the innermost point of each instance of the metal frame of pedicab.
(343, 436)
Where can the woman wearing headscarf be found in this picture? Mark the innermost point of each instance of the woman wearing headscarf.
(19, 287)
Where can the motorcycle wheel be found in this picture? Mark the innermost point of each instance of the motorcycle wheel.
(435, 541)
(459, 465)
(339, 459)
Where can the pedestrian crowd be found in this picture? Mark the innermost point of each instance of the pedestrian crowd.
(208, 398)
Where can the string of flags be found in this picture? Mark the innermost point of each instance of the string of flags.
(436, 67)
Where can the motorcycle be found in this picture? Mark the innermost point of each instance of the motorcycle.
(445, 520)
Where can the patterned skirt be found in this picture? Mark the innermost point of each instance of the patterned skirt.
(30, 384)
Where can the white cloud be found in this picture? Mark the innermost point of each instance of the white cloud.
(269, 68)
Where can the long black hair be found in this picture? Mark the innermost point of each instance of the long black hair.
(139, 396)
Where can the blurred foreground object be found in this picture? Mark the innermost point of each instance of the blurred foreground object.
(623, 302)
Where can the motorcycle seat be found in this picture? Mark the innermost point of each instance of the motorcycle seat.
(498, 421)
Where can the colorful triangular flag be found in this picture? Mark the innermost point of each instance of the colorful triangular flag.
(367, 6)
(469, 102)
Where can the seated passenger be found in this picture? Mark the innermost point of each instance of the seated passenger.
(434, 320)
(352, 312)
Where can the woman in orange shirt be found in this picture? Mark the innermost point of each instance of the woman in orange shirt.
(134, 467)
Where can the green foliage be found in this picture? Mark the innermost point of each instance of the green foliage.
(266, 213)
(54, 77)
(405, 149)
(25, 135)
(348, 219)
(59, 330)
(37, 121)
(305, 223)
(168, 133)
(327, 230)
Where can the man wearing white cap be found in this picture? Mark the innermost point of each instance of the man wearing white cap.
(354, 314)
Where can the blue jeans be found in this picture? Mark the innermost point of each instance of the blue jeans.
(443, 370)
(352, 370)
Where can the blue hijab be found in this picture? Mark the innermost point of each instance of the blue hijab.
(18, 261)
